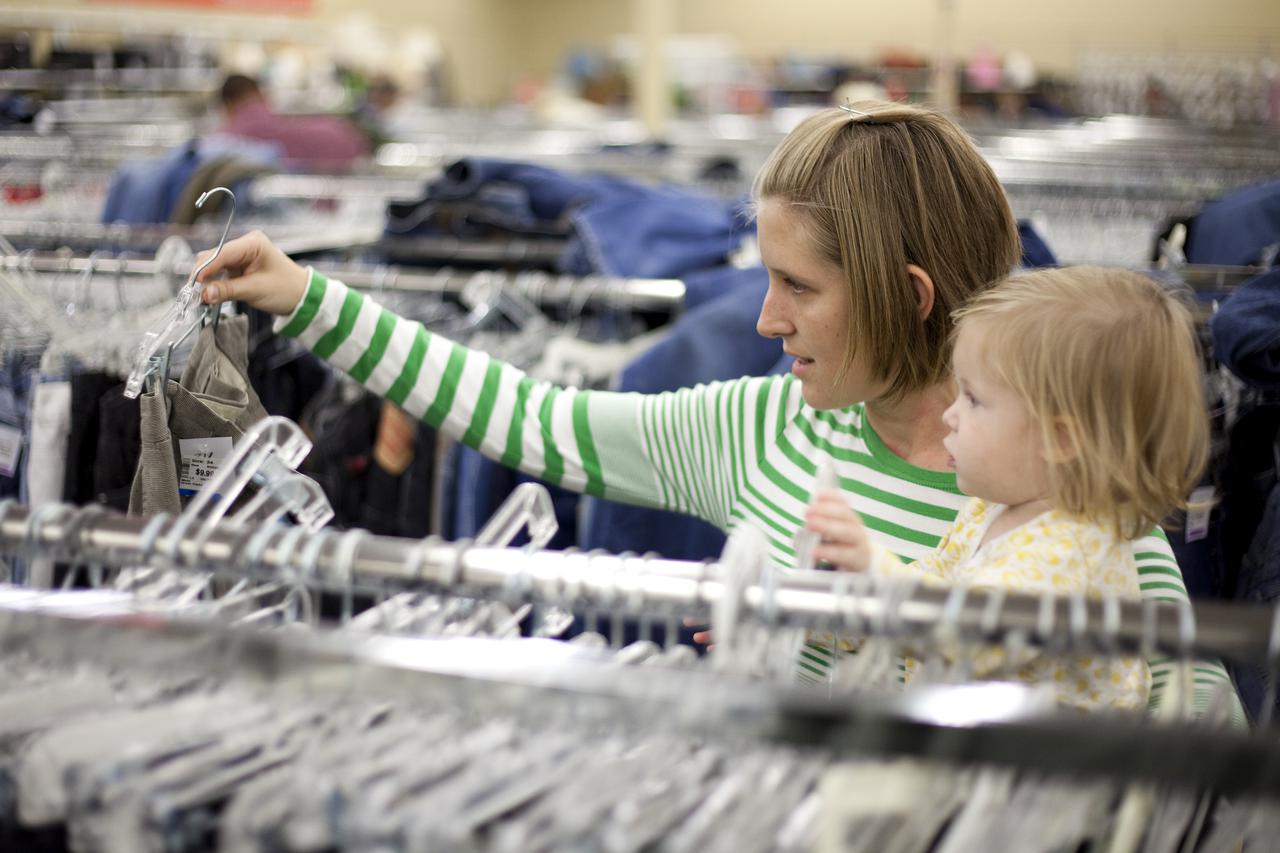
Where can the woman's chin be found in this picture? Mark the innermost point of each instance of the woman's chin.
(820, 399)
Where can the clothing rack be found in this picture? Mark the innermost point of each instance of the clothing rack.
(386, 187)
(292, 239)
(98, 149)
(542, 288)
(92, 236)
(643, 587)
(988, 723)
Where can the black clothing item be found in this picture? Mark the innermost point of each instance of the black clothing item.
(362, 493)
(116, 458)
(87, 391)
(285, 376)
(1248, 478)
(14, 836)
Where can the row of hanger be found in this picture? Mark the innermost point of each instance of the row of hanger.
(507, 765)
(756, 609)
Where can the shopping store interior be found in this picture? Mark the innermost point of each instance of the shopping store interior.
(504, 425)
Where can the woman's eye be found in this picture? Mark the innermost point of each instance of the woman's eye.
(793, 286)
(972, 400)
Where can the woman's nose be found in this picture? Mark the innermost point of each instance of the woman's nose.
(772, 322)
(949, 417)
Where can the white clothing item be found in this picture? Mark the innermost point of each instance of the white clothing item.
(47, 461)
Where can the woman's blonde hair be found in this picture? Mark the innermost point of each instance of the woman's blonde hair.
(883, 188)
(1107, 362)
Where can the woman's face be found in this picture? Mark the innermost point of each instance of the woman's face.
(807, 306)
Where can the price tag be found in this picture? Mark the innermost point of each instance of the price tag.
(200, 458)
(10, 450)
(1197, 526)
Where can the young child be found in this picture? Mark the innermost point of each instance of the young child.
(1079, 422)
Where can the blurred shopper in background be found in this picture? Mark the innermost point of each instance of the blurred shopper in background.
(314, 141)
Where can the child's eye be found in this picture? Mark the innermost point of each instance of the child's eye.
(970, 399)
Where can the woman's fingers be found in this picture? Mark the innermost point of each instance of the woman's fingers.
(703, 637)
(237, 256)
(844, 542)
(257, 273)
(834, 523)
(849, 558)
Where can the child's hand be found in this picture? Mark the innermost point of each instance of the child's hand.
(845, 543)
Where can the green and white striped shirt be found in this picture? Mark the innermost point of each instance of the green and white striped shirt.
(740, 452)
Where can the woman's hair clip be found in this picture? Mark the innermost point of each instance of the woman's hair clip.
(853, 113)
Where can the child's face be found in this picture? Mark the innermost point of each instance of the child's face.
(995, 446)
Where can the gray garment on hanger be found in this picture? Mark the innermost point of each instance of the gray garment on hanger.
(213, 400)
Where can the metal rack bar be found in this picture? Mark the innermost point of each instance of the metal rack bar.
(987, 723)
(293, 240)
(640, 293)
(543, 288)
(657, 588)
(386, 187)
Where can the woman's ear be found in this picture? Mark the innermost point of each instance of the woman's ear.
(923, 283)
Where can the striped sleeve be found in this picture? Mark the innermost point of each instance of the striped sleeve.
(698, 439)
(1210, 686)
(661, 451)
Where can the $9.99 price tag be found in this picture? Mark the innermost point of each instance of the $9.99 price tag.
(200, 458)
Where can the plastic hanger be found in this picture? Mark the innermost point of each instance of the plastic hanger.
(155, 353)
(741, 565)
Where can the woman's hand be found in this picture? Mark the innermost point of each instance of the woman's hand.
(258, 273)
(394, 444)
(845, 543)
(703, 637)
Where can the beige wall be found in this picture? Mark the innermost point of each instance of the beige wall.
(473, 35)
(543, 31)
(488, 44)
(1055, 33)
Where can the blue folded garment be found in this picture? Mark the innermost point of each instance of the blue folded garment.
(1246, 331)
(615, 226)
(1237, 228)
(655, 232)
(1035, 251)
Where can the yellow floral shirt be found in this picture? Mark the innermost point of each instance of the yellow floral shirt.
(1053, 552)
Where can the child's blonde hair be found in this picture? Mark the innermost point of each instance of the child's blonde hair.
(1107, 363)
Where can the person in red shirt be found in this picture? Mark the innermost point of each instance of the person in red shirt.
(312, 141)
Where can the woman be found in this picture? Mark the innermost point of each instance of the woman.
(875, 224)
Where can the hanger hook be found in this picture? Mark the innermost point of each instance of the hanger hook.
(204, 196)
